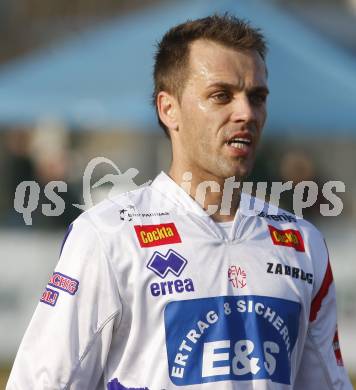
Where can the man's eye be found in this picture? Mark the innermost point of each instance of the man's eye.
(258, 99)
(221, 97)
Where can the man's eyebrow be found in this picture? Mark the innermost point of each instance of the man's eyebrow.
(235, 87)
(259, 89)
(224, 85)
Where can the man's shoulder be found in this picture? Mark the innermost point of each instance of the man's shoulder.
(112, 212)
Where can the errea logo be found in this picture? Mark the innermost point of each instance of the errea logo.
(162, 265)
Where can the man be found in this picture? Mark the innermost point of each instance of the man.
(208, 295)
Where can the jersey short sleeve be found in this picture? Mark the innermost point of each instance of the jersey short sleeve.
(67, 341)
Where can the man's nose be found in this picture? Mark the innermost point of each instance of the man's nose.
(242, 109)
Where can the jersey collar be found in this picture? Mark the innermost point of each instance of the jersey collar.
(187, 205)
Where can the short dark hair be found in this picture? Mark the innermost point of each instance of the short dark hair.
(172, 55)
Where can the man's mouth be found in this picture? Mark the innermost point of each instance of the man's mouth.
(239, 143)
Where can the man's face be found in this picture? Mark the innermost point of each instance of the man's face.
(222, 111)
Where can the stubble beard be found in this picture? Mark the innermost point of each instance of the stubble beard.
(240, 169)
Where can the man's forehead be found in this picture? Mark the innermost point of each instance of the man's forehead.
(208, 46)
(212, 60)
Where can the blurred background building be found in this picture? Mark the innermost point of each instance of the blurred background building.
(75, 84)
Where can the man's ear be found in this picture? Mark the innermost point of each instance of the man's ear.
(168, 110)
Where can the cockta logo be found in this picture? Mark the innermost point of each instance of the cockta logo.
(154, 235)
(289, 237)
(162, 265)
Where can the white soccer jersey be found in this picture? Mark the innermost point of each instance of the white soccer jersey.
(150, 294)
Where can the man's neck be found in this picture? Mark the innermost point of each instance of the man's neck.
(207, 190)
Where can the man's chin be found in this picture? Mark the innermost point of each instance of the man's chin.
(240, 173)
(240, 168)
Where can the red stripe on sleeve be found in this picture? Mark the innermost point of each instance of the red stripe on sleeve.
(324, 288)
